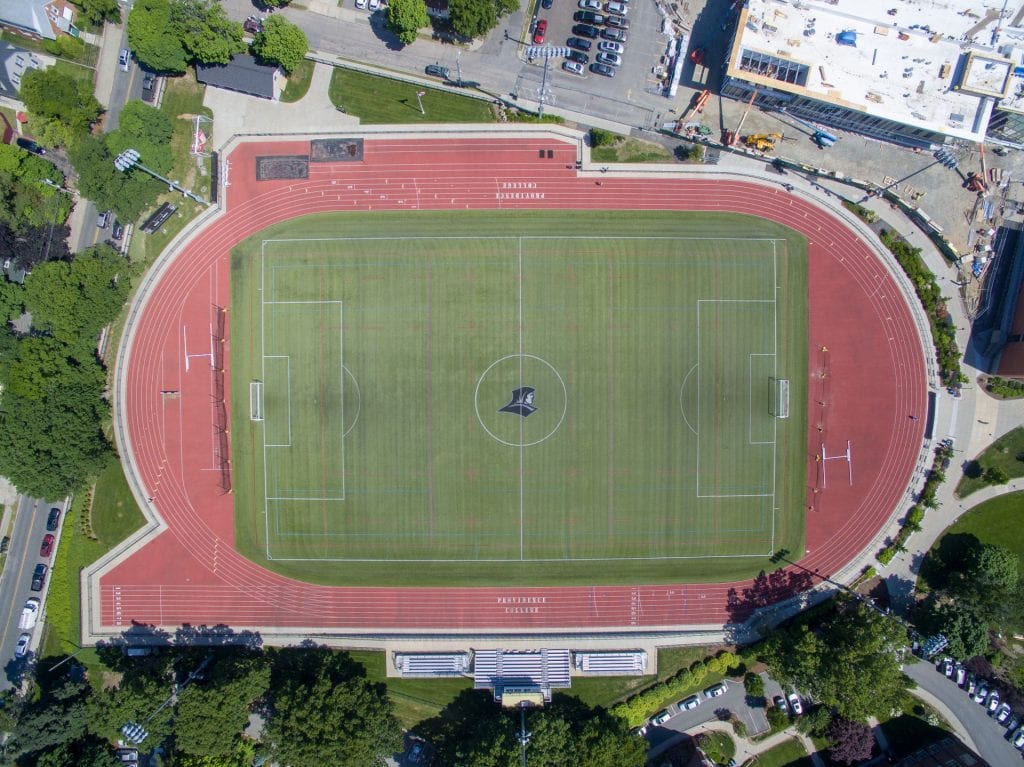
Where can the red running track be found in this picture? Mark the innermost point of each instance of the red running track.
(190, 572)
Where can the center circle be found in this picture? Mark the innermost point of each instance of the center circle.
(521, 400)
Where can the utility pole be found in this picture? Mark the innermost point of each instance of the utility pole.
(419, 99)
(129, 159)
(458, 66)
(546, 52)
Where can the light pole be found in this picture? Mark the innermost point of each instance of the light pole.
(419, 100)
(129, 159)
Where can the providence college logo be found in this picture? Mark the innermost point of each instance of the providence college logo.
(521, 403)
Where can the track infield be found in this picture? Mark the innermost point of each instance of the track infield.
(531, 397)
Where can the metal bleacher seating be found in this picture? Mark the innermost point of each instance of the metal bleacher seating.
(623, 663)
(432, 664)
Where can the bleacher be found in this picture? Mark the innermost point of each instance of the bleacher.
(543, 670)
(432, 664)
(621, 663)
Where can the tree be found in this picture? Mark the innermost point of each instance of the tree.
(475, 18)
(996, 475)
(994, 568)
(55, 95)
(322, 710)
(73, 301)
(150, 36)
(960, 621)
(134, 699)
(58, 717)
(754, 685)
(147, 130)
(849, 742)
(406, 18)
(128, 194)
(98, 11)
(211, 714)
(206, 32)
(281, 42)
(848, 663)
(276, 3)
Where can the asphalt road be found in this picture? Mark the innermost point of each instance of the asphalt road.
(989, 736)
(15, 581)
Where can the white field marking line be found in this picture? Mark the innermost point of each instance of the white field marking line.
(682, 389)
(288, 388)
(274, 303)
(758, 554)
(184, 333)
(263, 375)
(775, 377)
(697, 479)
(305, 498)
(750, 399)
(522, 457)
(771, 240)
(341, 375)
(739, 495)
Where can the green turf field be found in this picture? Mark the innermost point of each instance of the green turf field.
(497, 397)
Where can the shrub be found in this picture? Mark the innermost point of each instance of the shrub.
(1001, 387)
(777, 719)
(600, 137)
(754, 685)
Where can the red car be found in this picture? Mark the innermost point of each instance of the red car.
(46, 549)
(540, 31)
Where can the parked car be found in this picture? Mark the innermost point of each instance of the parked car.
(794, 704)
(437, 71)
(586, 30)
(546, 4)
(602, 69)
(616, 35)
(611, 47)
(103, 220)
(127, 755)
(39, 577)
(1012, 724)
(574, 67)
(616, 8)
(253, 25)
(361, 4)
(117, 232)
(416, 752)
(46, 547)
(579, 43)
(971, 684)
(579, 57)
(993, 702)
(29, 614)
(29, 145)
(982, 692)
(779, 702)
(589, 5)
(53, 519)
(612, 59)
(374, 5)
(124, 58)
(21, 650)
(1003, 713)
(617, 21)
(947, 666)
(661, 717)
(716, 690)
(960, 674)
(689, 703)
(539, 31)
(1018, 738)
(588, 17)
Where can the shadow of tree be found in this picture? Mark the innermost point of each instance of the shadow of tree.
(951, 557)
(767, 589)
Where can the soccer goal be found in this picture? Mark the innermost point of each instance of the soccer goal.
(781, 399)
(255, 400)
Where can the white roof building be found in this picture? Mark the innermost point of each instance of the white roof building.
(912, 71)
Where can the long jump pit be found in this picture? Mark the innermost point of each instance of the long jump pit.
(400, 385)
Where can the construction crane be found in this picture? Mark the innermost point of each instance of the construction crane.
(697, 104)
(821, 137)
(762, 142)
(729, 138)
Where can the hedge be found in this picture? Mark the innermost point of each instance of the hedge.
(637, 709)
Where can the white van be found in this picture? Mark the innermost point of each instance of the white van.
(29, 614)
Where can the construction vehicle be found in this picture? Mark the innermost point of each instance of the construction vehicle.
(729, 138)
(697, 104)
(762, 142)
(820, 136)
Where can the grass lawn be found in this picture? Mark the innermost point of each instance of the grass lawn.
(718, 745)
(89, 57)
(481, 389)
(85, 538)
(1001, 453)
(298, 82)
(783, 754)
(414, 699)
(608, 690)
(631, 150)
(374, 99)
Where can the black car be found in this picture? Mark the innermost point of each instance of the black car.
(38, 577)
(588, 17)
(585, 30)
(578, 56)
(53, 521)
(437, 71)
(29, 145)
(579, 43)
(118, 231)
(546, 4)
(602, 69)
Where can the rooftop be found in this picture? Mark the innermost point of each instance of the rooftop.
(936, 65)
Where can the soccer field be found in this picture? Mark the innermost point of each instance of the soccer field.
(519, 398)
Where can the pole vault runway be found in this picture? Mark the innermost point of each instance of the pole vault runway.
(865, 354)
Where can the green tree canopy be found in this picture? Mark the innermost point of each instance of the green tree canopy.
(962, 623)
(126, 193)
(26, 198)
(281, 42)
(73, 301)
(406, 18)
(134, 699)
(98, 11)
(205, 31)
(849, 662)
(475, 18)
(324, 711)
(150, 35)
(146, 129)
(52, 94)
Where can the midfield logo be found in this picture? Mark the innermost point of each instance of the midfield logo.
(521, 403)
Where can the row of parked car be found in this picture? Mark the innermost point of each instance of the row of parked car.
(610, 49)
(30, 612)
(982, 692)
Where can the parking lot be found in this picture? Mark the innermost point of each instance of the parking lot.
(644, 48)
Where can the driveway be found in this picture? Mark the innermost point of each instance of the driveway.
(989, 737)
(734, 701)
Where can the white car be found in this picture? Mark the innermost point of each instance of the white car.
(124, 59)
(661, 717)
(609, 47)
(573, 66)
(947, 666)
(21, 650)
(1018, 738)
(687, 704)
(611, 59)
(715, 690)
(1003, 713)
(618, 8)
(374, 5)
(360, 4)
(961, 674)
(982, 692)
(993, 702)
(589, 5)
(794, 704)
(29, 614)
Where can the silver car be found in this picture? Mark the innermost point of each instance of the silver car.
(609, 47)
(612, 59)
